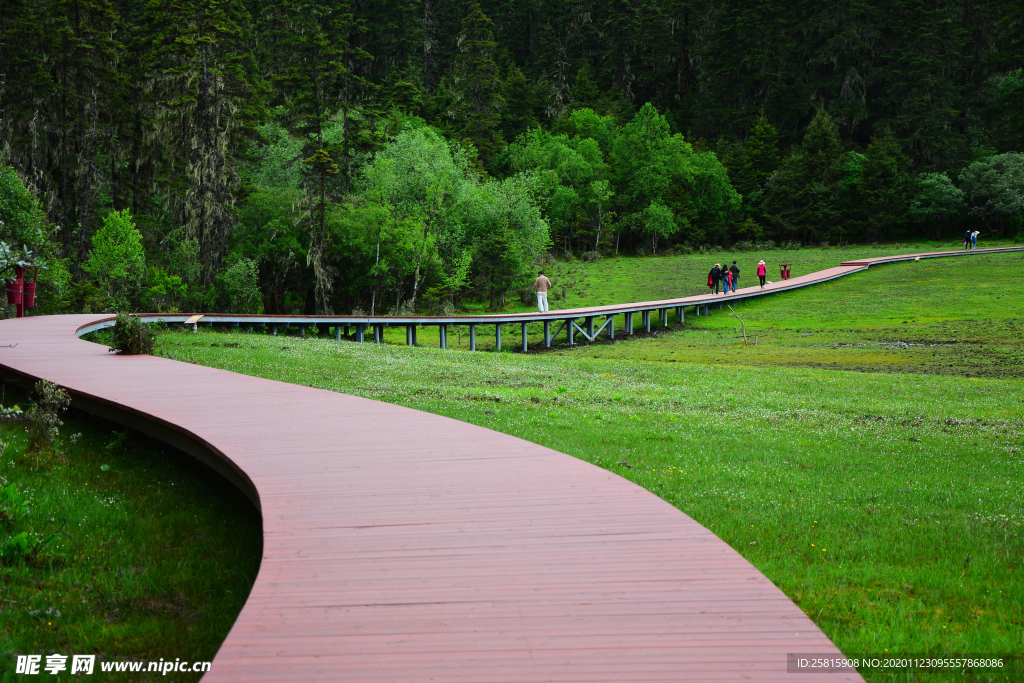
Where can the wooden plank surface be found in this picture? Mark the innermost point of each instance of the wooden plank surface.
(404, 546)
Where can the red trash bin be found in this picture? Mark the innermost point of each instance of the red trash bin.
(14, 291)
(784, 269)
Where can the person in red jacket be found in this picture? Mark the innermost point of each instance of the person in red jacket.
(762, 272)
(713, 278)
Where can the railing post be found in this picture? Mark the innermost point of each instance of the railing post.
(524, 337)
(444, 335)
(472, 337)
(547, 334)
(497, 336)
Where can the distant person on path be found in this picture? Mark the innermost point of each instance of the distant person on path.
(974, 239)
(735, 270)
(541, 285)
(713, 278)
(967, 240)
(762, 272)
(725, 280)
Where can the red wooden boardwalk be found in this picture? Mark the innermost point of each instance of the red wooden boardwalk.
(404, 546)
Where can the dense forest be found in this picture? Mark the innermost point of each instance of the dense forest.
(331, 156)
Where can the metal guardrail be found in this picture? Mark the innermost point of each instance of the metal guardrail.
(361, 327)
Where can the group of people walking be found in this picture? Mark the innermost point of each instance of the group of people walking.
(729, 277)
(971, 239)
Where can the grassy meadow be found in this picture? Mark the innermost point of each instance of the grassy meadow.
(865, 455)
(154, 554)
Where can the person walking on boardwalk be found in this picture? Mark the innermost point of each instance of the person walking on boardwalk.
(726, 280)
(967, 240)
(713, 278)
(762, 272)
(541, 286)
(974, 239)
(735, 270)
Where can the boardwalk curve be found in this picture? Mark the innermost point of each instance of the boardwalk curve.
(405, 546)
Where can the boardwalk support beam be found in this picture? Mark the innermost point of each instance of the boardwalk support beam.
(524, 337)
(443, 329)
(547, 334)
(472, 337)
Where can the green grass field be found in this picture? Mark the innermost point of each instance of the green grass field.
(154, 558)
(887, 504)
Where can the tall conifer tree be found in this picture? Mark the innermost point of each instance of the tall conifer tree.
(477, 86)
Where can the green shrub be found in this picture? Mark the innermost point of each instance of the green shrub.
(44, 418)
(13, 506)
(131, 336)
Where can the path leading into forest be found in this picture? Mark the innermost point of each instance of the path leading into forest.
(405, 546)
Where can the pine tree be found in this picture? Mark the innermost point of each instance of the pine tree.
(804, 198)
(881, 196)
(313, 56)
(477, 86)
(207, 104)
(761, 152)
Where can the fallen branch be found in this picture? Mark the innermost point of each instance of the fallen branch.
(742, 324)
